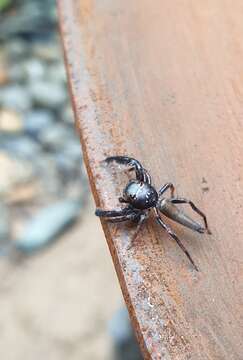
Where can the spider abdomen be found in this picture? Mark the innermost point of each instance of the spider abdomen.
(140, 195)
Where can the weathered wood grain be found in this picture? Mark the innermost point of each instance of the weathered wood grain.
(163, 81)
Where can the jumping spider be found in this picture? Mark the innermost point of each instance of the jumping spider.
(141, 197)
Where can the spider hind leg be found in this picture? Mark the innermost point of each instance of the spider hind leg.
(175, 237)
(194, 208)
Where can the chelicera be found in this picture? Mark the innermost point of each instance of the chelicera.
(140, 197)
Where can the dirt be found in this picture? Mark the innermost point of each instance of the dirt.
(56, 304)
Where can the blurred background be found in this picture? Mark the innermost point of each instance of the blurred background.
(59, 296)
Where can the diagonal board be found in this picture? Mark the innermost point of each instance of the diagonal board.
(162, 81)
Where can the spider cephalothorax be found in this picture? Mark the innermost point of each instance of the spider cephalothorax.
(140, 197)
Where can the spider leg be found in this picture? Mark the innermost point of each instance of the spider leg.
(121, 200)
(166, 187)
(174, 236)
(142, 218)
(193, 206)
(131, 217)
(125, 214)
(147, 177)
(141, 173)
(115, 213)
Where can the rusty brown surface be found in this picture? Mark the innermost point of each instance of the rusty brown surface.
(162, 81)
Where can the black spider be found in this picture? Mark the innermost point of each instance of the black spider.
(141, 197)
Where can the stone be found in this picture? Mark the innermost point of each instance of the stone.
(16, 73)
(26, 71)
(65, 165)
(69, 171)
(57, 73)
(4, 223)
(17, 49)
(47, 51)
(72, 150)
(4, 76)
(54, 137)
(34, 20)
(120, 327)
(47, 173)
(22, 147)
(33, 69)
(48, 94)
(10, 121)
(37, 121)
(24, 193)
(15, 97)
(67, 115)
(13, 172)
(47, 225)
(124, 342)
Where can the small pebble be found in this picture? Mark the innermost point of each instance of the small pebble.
(54, 137)
(124, 341)
(65, 165)
(23, 147)
(72, 149)
(47, 225)
(48, 52)
(37, 121)
(33, 70)
(15, 97)
(13, 172)
(67, 115)
(4, 76)
(4, 223)
(16, 73)
(10, 121)
(17, 49)
(120, 326)
(48, 94)
(47, 173)
(56, 73)
(69, 170)
(26, 71)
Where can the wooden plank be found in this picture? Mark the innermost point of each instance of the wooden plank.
(162, 81)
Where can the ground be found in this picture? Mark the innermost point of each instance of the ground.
(56, 304)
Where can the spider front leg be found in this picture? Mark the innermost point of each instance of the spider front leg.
(146, 177)
(124, 214)
(141, 220)
(193, 206)
(175, 237)
(141, 173)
